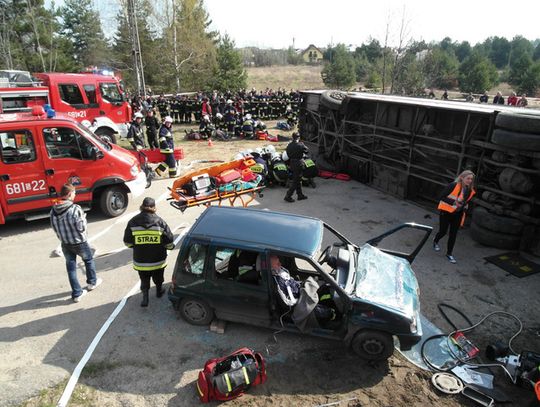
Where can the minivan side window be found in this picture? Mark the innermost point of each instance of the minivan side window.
(109, 92)
(65, 142)
(194, 261)
(71, 94)
(237, 265)
(17, 146)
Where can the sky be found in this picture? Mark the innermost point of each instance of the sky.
(274, 23)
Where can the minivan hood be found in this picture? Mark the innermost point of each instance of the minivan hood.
(387, 281)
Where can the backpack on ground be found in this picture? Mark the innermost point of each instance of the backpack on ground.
(231, 376)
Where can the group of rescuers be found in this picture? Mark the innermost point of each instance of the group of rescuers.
(296, 150)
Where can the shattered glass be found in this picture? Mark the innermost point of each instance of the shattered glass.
(386, 280)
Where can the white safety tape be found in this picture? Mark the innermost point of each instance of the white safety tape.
(58, 251)
(70, 386)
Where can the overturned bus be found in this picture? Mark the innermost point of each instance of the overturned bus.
(412, 147)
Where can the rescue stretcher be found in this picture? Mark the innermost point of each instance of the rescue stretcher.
(244, 193)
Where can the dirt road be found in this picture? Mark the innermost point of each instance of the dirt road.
(150, 357)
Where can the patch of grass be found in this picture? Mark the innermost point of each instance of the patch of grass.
(94, 369)
(82, 396)
(288, 77)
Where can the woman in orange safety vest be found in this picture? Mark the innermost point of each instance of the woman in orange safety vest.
(452, 207)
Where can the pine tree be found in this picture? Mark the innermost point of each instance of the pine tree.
(188, 57)
(229, 73)
(441, 68)
(29, 38)
(82, 27)
(530, 80)
(340, 72)
(477, 74)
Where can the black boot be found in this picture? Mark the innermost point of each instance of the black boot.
(159, 291)
(144, 302)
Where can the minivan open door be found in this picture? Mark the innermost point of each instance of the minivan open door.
(408, 256)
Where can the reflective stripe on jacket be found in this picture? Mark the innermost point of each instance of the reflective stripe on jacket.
(448, 203)
(150, 237)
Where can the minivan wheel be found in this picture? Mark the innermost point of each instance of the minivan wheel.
(113, 201)
(196, 312)
(373, 345)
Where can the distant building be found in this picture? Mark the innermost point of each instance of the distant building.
(312, 55)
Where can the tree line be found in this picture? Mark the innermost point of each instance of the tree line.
(417, 65)
(179, 50)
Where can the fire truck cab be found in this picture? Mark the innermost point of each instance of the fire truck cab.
(98, 98)
(39, 154)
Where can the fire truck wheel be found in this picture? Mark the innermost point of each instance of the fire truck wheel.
(113, 201)
(107, 135)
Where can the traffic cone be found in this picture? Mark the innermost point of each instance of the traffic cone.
(210, 144)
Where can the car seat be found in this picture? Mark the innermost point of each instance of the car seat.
(242, 267)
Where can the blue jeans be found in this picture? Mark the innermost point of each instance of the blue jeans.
(71, 251)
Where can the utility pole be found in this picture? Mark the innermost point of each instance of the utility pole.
(136, 48)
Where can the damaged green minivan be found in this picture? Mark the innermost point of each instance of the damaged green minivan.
(223, 271)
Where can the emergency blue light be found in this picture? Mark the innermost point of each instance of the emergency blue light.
(50, 113)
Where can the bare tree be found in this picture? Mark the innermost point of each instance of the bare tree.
(30, 11)
(404, 42)
(5, 36)
(385, 48)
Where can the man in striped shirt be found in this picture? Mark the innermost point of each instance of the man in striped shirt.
(69, 223)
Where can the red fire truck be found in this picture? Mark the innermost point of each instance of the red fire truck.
(98, 98)
(39, 154)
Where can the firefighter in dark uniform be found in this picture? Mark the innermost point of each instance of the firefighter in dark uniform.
(291, 117)
(248, 127)
(166, 147)
(135, 134)
(175, 109)
(163, 106)
(189, 111)
(150, 237)
(206, 128)
(230, 117)
(181, 109)
(295, 151)
(151, 123)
